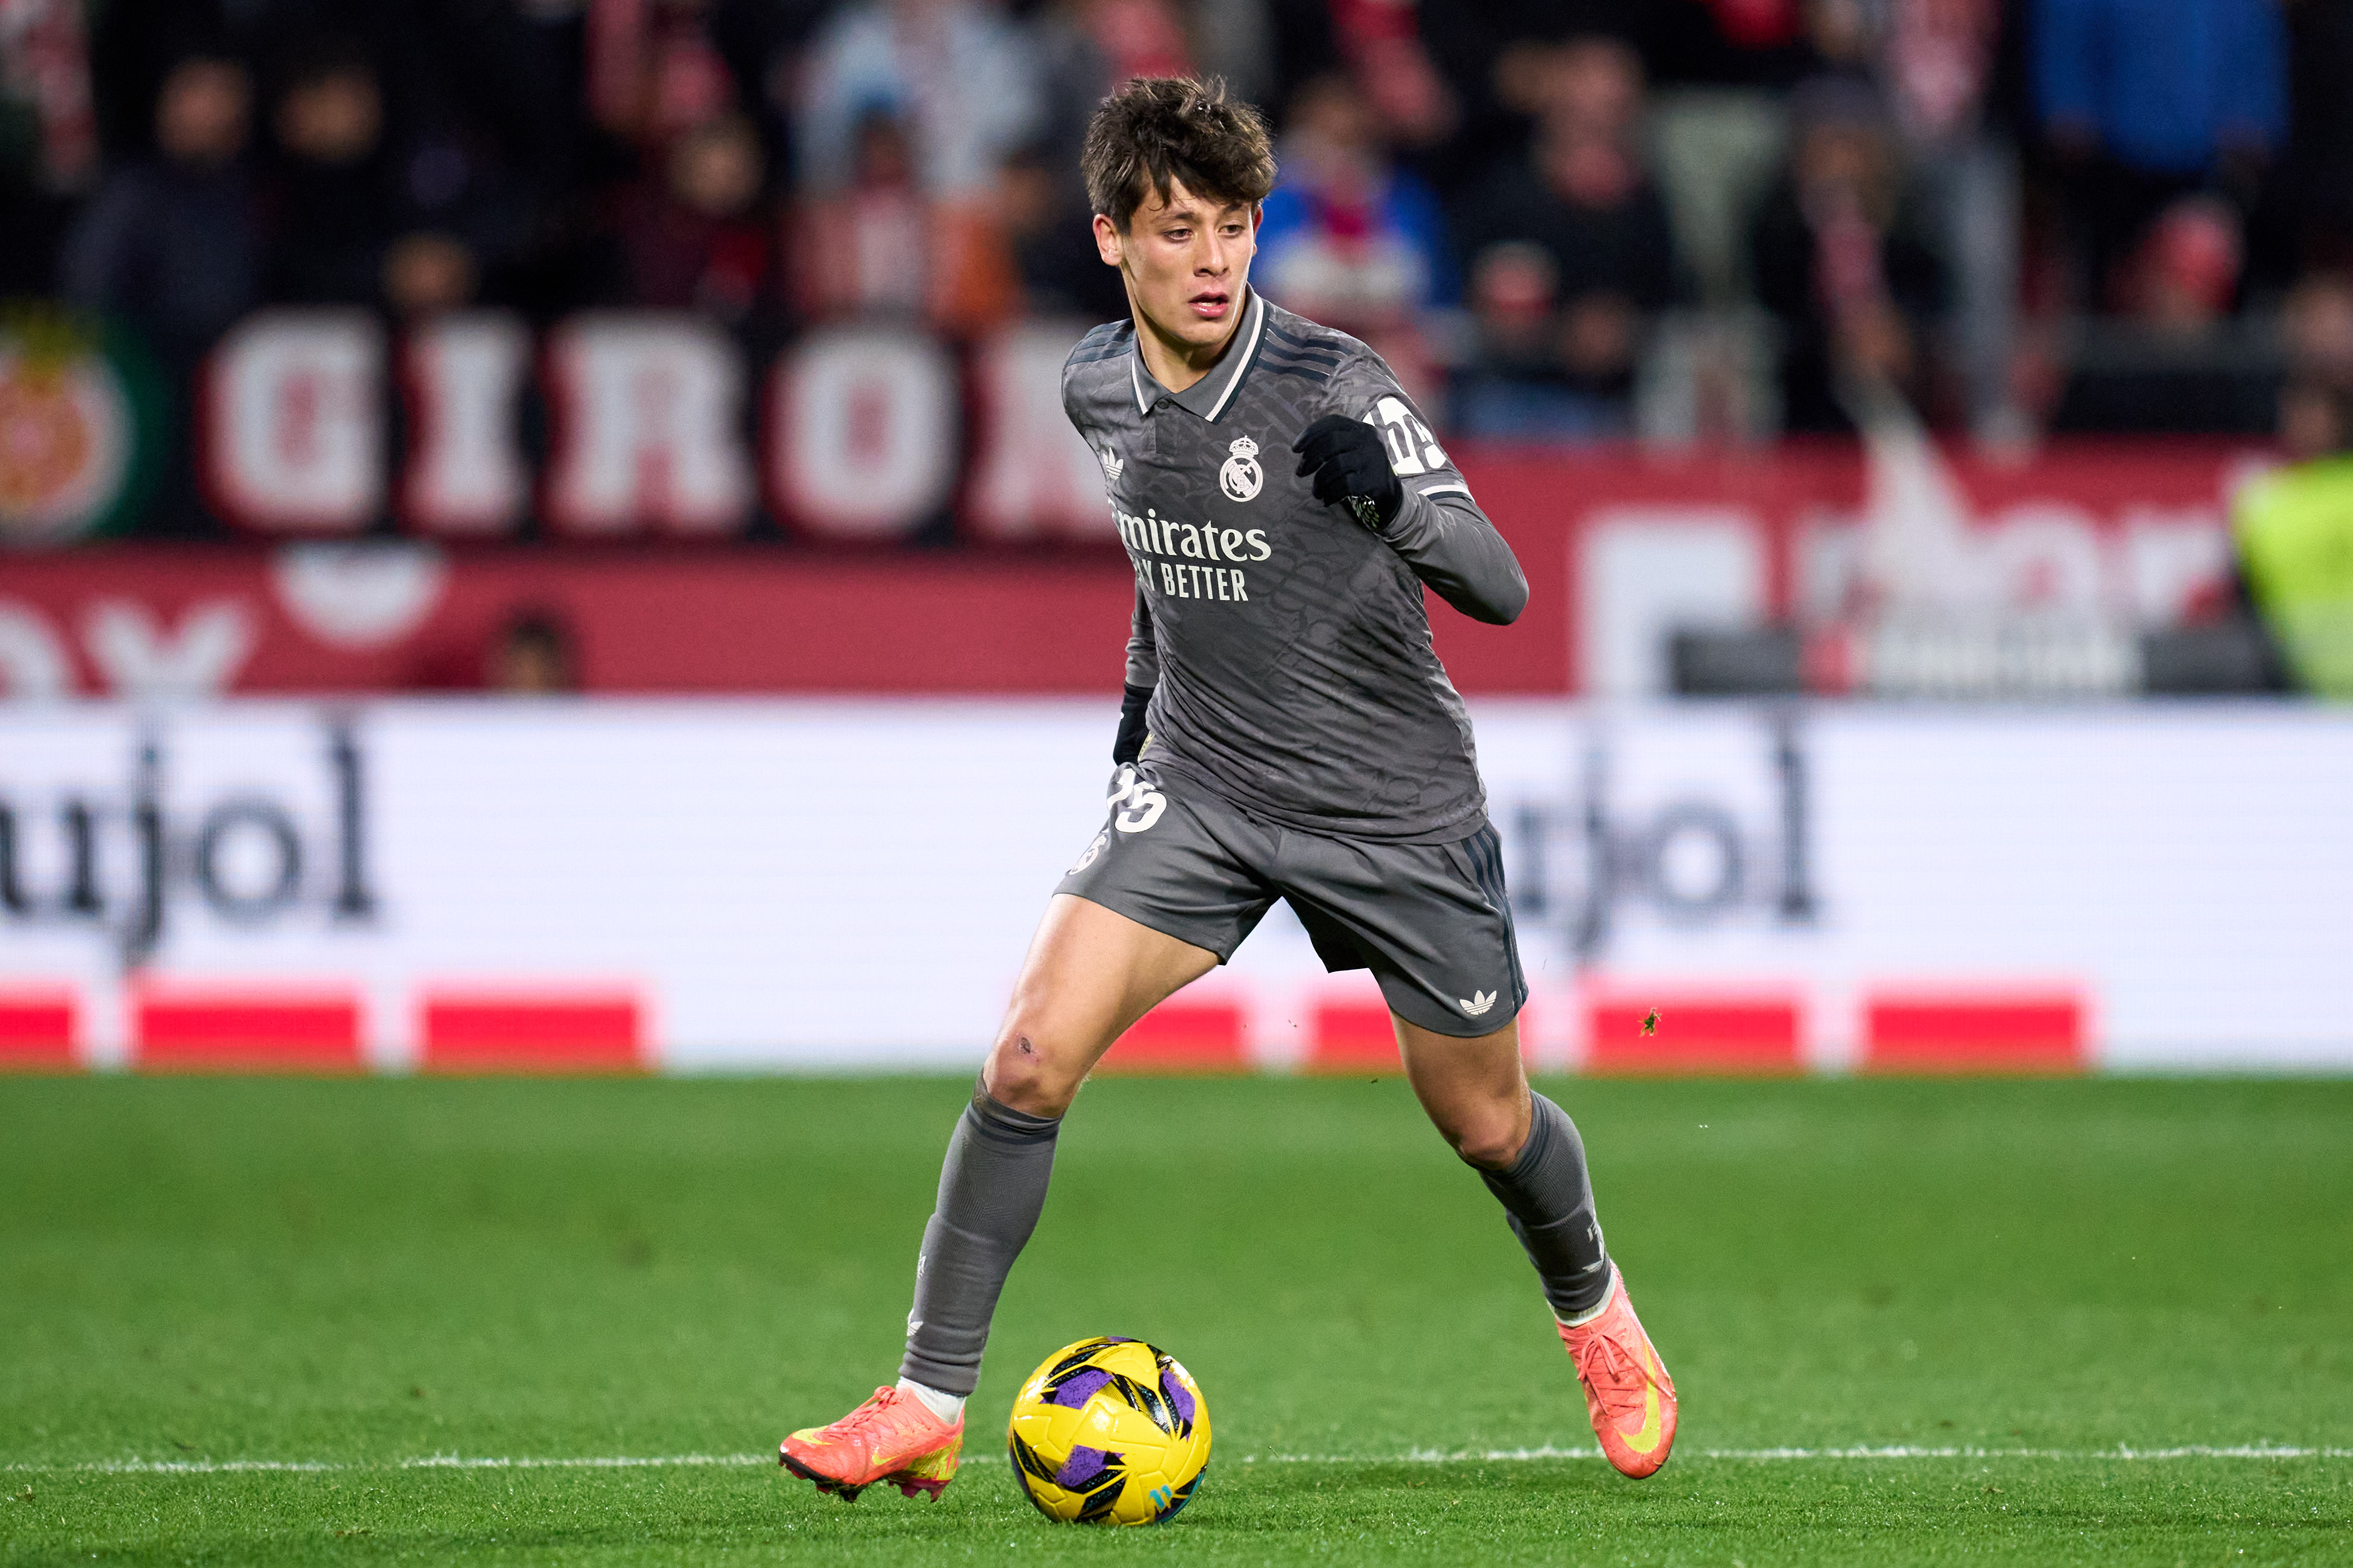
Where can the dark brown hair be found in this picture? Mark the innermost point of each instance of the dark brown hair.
(1159, 130)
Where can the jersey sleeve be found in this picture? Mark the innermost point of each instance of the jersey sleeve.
(1142, 644)
(1439, 529)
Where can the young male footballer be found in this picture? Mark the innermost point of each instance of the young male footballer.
(1288, 733)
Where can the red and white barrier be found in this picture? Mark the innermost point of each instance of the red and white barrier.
(1619, 549)
(469, 887)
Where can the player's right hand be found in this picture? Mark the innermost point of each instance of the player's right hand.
(1129, 745)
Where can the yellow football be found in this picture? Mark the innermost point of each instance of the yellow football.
(1109, 1431)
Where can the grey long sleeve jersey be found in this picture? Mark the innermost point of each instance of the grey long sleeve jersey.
(1287, 645)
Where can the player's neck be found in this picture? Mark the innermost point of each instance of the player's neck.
(1175, 364)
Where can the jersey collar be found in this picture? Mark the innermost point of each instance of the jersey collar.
(1211, 395)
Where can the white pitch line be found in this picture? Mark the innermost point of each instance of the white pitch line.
(1864, 1451)
(1414, 1456)
(422, 1462)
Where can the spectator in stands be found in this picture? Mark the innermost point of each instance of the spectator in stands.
(699, 240)
(2183, 278)
(2292, 533)
(2317, 330)
(1349, 237)
(352, 222)
(954, 79)
(427, 272)
(1394, 71)
(953, 72)
(862, 252)
(2316, 324)
(1579, 236)
(534, 655)
(654, 71)
(1046, 216)
(1932, 63)
(1840, 260)
(2143, 101)
(168, 244)
(2174, 365)
(335, 191)
(1079, 51)
(48, 135)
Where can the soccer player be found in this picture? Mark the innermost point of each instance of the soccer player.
(1287, 732)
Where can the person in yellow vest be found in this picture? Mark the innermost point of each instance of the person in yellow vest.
(2293, 530)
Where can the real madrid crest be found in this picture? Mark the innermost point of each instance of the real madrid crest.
(1240, 478)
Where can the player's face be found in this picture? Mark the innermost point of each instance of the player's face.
(1186, 260)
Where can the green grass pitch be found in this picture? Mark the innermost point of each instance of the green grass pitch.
(2005, 1284)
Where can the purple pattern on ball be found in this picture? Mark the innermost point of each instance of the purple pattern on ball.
(1180, 1398)
(1082, 1387)
(1081, 1469)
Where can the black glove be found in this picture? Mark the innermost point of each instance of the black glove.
(1130, 744)
(1350, 463)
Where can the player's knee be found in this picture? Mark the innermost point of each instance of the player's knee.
(1020, 1073)
(1490, 1138)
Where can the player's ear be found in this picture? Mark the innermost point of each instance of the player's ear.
(1107, 241)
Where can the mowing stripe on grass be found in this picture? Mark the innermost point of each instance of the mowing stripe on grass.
(1413, 1457)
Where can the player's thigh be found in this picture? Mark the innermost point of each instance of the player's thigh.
(1166, 891)
(1473, 1088)
(1433, 923)
(1090, 973)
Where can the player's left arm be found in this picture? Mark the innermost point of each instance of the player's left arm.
(1374, 455)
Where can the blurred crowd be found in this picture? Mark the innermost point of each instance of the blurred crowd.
(1561, 219)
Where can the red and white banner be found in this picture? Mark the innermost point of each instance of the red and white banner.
(474, 886)
(1619, 551)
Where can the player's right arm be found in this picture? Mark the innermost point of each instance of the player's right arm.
(1143, 649)
(1143, 674)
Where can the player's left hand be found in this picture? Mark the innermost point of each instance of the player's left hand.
(1350, 463)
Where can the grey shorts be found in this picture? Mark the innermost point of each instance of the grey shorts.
(1431, 920)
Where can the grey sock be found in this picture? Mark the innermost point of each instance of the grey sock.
(991, 1190)
(1549, 1200)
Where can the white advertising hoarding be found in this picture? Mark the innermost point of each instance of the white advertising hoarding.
(843, 885)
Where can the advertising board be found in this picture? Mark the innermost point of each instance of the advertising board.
(2079, 548)
(843, 885)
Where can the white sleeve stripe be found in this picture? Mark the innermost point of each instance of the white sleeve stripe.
(1456, 487)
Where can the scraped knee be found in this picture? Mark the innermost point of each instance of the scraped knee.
(1021, 1073)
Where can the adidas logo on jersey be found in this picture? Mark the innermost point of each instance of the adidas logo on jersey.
(1477, 1003)
(1112, 464)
